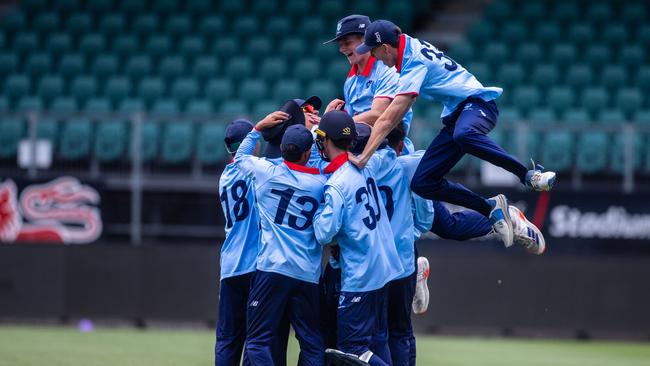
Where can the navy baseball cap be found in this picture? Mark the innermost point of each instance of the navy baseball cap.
(236, 131)
(299, 136)
(363, 134)
(314, 101)
(337, 125)
(274, 134)
(350, 25)
(377, 33)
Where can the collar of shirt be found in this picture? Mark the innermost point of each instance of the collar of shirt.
(336, 163)
(400, 52)
(366, 70)
(301, 168)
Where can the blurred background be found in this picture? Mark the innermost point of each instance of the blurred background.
(112, 114)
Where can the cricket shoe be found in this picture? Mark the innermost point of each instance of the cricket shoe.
(526, 233)
(338, 358)
(500, 219)
(538, 180)
(421, 299)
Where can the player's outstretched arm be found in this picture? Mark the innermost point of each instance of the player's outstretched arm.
(244, 158)
(388, 120)
(379, 106)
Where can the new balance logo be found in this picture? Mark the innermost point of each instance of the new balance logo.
(254, 303)
(356, 299)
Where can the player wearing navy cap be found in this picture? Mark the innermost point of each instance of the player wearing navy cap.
(238, 252)
(370, 85)
(353, 216)
(289, 259)
(469, 113)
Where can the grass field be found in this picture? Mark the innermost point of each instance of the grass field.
(61, 346)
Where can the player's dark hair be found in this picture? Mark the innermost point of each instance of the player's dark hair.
(398, 32)
(291, 153)
(396, 135)
(343, 144)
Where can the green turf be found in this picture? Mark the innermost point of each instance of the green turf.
(54, 346)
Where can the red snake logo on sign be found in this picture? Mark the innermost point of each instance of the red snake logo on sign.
(60, 211)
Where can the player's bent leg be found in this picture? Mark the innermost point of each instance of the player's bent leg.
(500, 219)
(400, 300)
(304, 313)
(231, 328)
(462, 225)
(526, 233)
(266, 308)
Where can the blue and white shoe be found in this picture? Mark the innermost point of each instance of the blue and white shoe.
(538, 180)
(526, 233)
(336, 357)
(500, 219)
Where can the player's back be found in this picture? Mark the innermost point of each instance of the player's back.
(367, 249)
(237, 196)
(287, 201)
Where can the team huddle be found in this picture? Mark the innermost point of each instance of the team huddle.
(321, 227)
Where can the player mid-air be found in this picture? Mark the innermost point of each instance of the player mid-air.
(469, 114)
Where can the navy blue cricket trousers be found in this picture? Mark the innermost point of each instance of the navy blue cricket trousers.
(330, 289)
(464, 132)
(273, 298)
(461, 225)
(231, 328)
(400, 328)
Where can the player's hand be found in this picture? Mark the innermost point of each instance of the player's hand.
(271, 120)
(357, 160)
(311, 120)
(335, 105)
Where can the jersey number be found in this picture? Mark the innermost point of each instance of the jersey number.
(388, 199)
(285, 199)
(238, 193)
(429, 52)
(369, 191)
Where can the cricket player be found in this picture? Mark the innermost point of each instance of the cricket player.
(238, 252)
(289, 259)
(469, 114)
(354, 216)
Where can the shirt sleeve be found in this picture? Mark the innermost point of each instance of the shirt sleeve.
(255, 168)
(422, 214)
(329, 217)
(410, 163)
(386, 84)
(410, 80)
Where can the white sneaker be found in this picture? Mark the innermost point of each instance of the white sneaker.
(526, 234)
(500, 219)
(421, 298)
(538, 180)
(336, 357)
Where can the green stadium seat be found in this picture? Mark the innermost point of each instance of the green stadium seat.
(629, 100)
(177, 142)
(219, 90)
(46, 22)
(50, 86)
(307, 69)
(38, 64)
(642, 36)
(563, 54)
(34, 5)
(533, 11)
(145, 24)
(245, 26)
(545, 76)
(58, 44)
(633, 13)
(401, 14)
(632, 56)
(286, 89)
(48, 129)
(150, 141)
(278, 26)
(211, 26)
(579, 76)
(265, 8)
(508, 116)
(178, 25)
(71, 64)
(529, 54)
(642, 79)
(11, 131)
(594, 99)
(259, 47)
(525, 98)
(338, 70)
(239, 67)
(592, 151)
(138, 67)
(275, 68)
(165, 7)
(323, 89)
(184, 89)
(557, 154)
(132, 7)
(29, 104)
(16, 86)
(494, 53)
(598, 55)
(615, 34)
(231, 7)
(531, 144)
(299, 8)
(131, 105)
(79, 23)
(565, 11)
(547, 32)
(8, 63)
(165, 107)
(613, 77)
(293, 47)
(105, 65)
(481, 32)
(252, 90)
(158, 46)
(263, 108)
(75, 139)
(327, 53)
(331, 10)
(117, 88)
(13, 22)
(499, 11)
(66, 105)
(514, 32)
(463, 52)
(234, 108)
(576, 116)
(99, 6)
(599, 12)
(4, 104)
(98, 105)
(191, 47)
(26, 42)
(226, 46)
(618, 154)
(312, 28)
(199, 107)
(642, 117)
(125, 45)
(111, 24)
(542, 116)
(610, 116)
(481, 70)
(171, 67)
(210, 148)
(91, 44)
(205, 67)
(110, 141)
(83, 87)
(510, 74)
